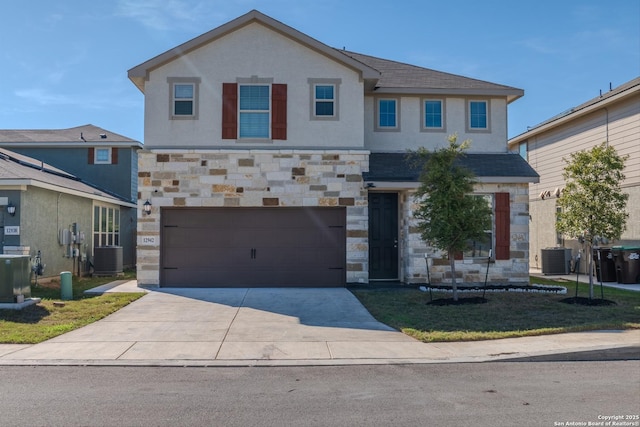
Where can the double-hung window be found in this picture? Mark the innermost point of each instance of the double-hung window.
(254, 111)
(387, 114)
(324, 98)
(478, 115)
(432, 114)
(482, 247)
(183, 98)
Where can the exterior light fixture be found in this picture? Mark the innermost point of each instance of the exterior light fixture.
(11, 209)
(146, 208)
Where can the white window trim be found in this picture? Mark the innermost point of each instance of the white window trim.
(376, 125)
(336, 98)
(423, 112)
(173, 81)
(255, 81)
(468, 115)
(97, 161)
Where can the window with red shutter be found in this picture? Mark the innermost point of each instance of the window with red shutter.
(229, 111)
(278, 111)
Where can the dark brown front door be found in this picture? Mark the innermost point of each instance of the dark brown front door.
(383, 236)
(227, 247)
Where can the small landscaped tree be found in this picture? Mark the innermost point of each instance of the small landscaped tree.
(592, 202)
(448, 215)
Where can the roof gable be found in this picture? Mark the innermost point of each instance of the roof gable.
(139, 74)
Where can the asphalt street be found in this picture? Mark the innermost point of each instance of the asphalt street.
(469, 394)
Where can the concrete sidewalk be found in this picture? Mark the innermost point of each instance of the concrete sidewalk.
(276, 327)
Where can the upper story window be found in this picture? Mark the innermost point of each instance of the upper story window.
(324, 98)
(254, 108)
(254, 111)
(523, 150)
(433, 114)
(103, 156)
(387, 114)
(184, 97)
(478, 115)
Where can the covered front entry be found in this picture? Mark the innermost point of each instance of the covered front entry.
(383, 236)
(253, 247)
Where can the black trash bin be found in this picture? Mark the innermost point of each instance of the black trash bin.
(605, 265)
(627, 259)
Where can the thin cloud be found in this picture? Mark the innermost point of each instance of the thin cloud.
(44, 97)
(160, 14)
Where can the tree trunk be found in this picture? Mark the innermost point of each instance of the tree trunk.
(454, 286)
(590, 270)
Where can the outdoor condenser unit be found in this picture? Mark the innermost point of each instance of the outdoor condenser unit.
(107, 260)
(556, 261)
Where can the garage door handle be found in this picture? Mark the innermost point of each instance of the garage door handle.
(253, 254)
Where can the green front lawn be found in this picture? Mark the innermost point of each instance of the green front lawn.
(504, 315)
(46, 320)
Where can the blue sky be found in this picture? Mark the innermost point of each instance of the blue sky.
(64, 63)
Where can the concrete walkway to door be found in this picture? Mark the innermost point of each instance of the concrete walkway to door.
(273, 326)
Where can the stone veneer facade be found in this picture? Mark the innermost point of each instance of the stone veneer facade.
(514, 270)
(252, 178)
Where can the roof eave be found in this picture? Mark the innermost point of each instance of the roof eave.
(511, 94)
(572, 116)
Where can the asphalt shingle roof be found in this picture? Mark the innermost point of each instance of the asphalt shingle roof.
(398, 167)
(14, 166)
(90, 133)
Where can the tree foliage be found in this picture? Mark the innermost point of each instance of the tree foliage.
(448, 214)
(592, 203)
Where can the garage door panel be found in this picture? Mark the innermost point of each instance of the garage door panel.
(253, 247)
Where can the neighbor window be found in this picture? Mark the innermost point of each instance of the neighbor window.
(184, 97)
(102, 156)
(481, 248)
(432, 110)
(387, 115)
(106, 226)
(522, 148)
(324, 98)
(478, 115)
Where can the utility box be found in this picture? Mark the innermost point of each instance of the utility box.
(107, 260)
(15, 277)
(556, 261)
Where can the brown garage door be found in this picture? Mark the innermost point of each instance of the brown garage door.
(279, 247)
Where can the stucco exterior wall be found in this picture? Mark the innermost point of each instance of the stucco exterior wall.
(412, 137)
(514, 270)
(252, 178)
(254, 50)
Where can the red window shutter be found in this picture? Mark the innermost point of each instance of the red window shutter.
(278, 111)
(114, 156)
(503, 225)
(229, 110)
(92, 155)
(458, 256)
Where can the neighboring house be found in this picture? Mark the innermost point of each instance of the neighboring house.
(54, 214)
(612, 118)
(98, 157)
(272, 159)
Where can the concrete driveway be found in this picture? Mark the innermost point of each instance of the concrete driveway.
(240, 327)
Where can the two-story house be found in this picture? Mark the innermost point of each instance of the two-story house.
(272, 159)
(612, 117)
(98, 157)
